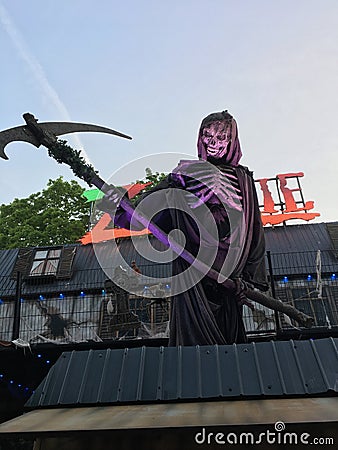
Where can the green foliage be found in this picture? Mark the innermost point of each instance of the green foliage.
(153, 177)
(63, 153)
(57, 215)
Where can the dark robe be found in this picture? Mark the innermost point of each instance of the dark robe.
(206, 313)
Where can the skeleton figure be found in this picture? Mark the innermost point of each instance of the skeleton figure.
(217, 192)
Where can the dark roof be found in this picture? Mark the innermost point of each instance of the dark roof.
(264, 369)
(293, 249)
(307, 237)
(88, 273)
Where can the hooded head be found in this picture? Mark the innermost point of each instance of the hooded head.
(218, 139)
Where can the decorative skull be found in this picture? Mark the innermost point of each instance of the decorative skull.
(216, 138)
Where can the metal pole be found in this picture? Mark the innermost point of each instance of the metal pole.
(273, 290)
(17, 307)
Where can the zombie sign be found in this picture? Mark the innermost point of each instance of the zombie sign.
(281, 202)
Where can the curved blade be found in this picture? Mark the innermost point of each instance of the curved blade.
(59, 128)
(16, 134)
(22, 133)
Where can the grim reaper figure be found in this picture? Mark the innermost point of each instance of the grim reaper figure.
(210, 207)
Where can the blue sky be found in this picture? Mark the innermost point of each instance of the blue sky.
(154, 69)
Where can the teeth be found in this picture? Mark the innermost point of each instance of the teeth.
(212, 150)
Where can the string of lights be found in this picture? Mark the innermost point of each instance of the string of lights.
(309, 277)
(18, 387)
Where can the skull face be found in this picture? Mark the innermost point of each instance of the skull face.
(216, 138)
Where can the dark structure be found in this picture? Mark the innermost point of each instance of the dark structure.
(54, 302)
(303, 267)
(76, 288)
(118, 309)
(76, 293)
(179, 397)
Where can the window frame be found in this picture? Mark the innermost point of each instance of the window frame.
(47, 262)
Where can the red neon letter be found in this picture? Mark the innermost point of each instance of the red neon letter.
(290, 202)
(269, 204)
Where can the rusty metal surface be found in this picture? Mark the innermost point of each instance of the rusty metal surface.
(175, 415)
(160, 374)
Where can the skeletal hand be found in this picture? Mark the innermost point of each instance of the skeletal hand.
(111, 200)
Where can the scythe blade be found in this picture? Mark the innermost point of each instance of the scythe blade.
(23, 133)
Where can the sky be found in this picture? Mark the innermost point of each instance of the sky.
(154, 69)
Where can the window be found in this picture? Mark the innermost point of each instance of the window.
(45, 262)
(48, 263)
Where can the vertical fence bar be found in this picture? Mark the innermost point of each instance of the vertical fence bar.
(17, 307)
(273, 290)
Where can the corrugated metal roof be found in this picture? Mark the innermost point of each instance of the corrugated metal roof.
(294, 249)
(155, 374)
(298, 238)
(88, 273)
(290, 248)
(332, 229)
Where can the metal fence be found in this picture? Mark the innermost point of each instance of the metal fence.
(66, 312)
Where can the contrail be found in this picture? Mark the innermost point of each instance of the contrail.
(37, 71)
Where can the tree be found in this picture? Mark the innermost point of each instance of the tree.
(151, 177)
(57, 215)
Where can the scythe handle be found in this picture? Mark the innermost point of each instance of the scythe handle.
(278, 305)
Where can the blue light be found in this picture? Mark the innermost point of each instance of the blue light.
(47, 362)
(1, 301)
(41, 297)
(103, 292)
(333, 276)
(39, 356)
(309, 277)
(285, 279)
(61, 296)
(1, 375)
(167, 286)
(19, 385)
(11, 381)
(26, 389)
(22, 300)
(82, 294)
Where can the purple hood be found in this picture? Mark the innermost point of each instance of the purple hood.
(233, 156)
